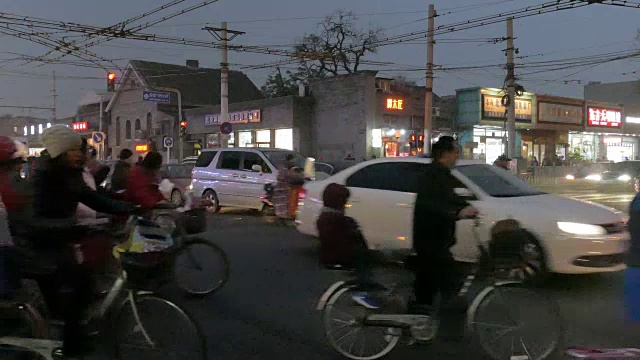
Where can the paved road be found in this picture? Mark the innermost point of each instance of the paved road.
(617, 197)
(267, 309)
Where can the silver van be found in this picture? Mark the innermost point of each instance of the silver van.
(236, 176)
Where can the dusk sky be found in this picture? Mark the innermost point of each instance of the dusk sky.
(592, 30)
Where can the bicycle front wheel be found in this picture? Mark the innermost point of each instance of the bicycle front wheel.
(512, 322)
(346, 333)
(150, 327)
(201, 267)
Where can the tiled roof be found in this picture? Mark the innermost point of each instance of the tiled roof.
(198, 86)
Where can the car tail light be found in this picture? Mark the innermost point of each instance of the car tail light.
(302, 194)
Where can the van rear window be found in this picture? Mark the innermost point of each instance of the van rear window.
(205, 158)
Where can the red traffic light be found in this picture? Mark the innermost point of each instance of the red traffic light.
(183, 124)
(412, 137)
(111, 76)
(420, 137)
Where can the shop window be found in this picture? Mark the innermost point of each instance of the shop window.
(206, 158)
(230, 160)
(251, 159)
(263, 137)
(245, 139)
(232, 140)
(138, 129)
(127, 130)
(118, 131)
(212, 141)
(284, 139)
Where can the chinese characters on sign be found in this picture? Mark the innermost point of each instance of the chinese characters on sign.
(604, 117)
(559, 113)
(492, 108)
(142, 148)
(80, 126)
(240, 117)
(395, 104)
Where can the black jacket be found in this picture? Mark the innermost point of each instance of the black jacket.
(57, 191)
(436, 211)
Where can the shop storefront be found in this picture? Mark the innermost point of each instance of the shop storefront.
(602, 138)
(547, 141)
(394, 142)
(268, 123)
(481, 118)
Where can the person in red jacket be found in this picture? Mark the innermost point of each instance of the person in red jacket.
(341, 242)
(15, 195)
(142, 184)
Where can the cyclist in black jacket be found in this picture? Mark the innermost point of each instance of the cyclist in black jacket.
(437, 209)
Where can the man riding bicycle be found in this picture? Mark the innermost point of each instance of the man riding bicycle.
(437, 209)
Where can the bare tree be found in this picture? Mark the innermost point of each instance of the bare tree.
(338, 47)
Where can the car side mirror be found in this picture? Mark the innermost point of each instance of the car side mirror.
(465, 193)
(256, 168)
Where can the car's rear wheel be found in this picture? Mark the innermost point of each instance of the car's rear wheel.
(213, 197)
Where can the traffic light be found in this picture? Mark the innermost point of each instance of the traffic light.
(421, 141)
(111, 81)
(183, 128)
(412, 141)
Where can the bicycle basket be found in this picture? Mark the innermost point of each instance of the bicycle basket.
(506, 248)
(147, 271)
(194, 221)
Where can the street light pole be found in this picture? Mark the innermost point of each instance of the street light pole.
(180, 140)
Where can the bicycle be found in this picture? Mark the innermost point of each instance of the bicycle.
(396, 322)
(111, 312)
(199, 252)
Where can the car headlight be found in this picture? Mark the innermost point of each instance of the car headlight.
(570, 177)
(594, 177)
(581, 229)
(624, 177)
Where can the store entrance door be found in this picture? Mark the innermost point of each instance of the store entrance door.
(390, 149)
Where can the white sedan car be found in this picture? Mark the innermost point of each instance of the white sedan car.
(567, 235)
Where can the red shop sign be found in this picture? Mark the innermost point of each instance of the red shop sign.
(80, 126)
(604, 117)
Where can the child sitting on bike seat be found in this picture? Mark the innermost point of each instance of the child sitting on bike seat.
(341, 242)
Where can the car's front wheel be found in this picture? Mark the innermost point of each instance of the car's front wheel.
(532, 266)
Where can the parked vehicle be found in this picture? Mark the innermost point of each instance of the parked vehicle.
(237, 176)
(566, 235)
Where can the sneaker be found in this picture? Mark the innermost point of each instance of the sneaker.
(364, 300)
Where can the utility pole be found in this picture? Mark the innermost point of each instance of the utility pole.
(428, 98)
(511, 91)
(54, 95)
(224, 35)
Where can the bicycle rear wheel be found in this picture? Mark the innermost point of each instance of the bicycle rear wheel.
(343, 321)
(201, 267)
(151, 327)
(511, 322)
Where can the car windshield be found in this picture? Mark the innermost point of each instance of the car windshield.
(497, 182)
(277, 158)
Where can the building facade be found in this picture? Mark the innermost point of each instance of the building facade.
(283, 123)
(481, 122)
(618, 139)
(139, 120)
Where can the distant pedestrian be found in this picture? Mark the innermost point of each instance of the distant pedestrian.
(502, 162)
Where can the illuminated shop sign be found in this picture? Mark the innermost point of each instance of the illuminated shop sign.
(395, 104)
(492, 108)
(560, 113)
(633, 120)
(80, 126)
(239, 117)
(604, 117)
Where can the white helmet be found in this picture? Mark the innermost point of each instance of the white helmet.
(22, 152)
